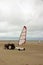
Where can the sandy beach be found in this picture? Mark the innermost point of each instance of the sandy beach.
(33, 55)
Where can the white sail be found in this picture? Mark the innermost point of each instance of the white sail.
(22, 39)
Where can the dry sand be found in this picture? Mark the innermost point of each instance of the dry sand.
(33, 55)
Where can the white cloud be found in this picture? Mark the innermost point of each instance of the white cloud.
(14, 14)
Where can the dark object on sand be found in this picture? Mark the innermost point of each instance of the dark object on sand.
(9, 46)
(12, 47)
(22, 49)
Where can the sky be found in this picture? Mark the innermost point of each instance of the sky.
(14, 14)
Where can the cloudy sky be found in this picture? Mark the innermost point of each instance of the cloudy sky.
(14, 14)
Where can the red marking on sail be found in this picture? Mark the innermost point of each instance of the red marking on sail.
(22, 39)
